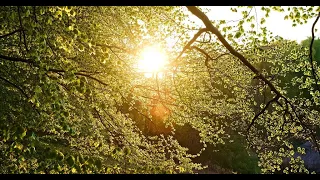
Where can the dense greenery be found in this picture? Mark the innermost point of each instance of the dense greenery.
(73, 100)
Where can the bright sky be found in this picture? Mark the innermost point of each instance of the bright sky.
(275, 22)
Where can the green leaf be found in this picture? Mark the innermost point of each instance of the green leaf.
(18, 146)
(23, 134)
(96, 144)
(60, 155)
(127, 151)
(70, 160)
(238, 34)
(98, 163)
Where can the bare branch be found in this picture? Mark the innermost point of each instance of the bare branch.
(203, 40)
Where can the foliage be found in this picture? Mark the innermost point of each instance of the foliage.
(73, 101)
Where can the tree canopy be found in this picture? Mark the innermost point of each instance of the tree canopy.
(73, 99)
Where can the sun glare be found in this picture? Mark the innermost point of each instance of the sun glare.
(152, 60)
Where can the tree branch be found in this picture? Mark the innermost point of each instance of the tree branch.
(21, 27)
(207, 55)
(191, 41)
(112, 47)
(312, 134)
(14, 85)
(310, 52)
(80, 73)
(11, 33)
(21, 90)
(16, 59)
(34, 14)
(214, 30)
(262, 111)
(241, 18)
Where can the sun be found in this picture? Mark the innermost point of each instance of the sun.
(152, 60)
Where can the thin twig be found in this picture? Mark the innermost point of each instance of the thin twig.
(207, 55)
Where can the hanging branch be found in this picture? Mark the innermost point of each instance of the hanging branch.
(16, 59)
(314, 74)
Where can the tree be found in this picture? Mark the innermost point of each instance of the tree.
(73, 102)
(64, 76)
(272, 126)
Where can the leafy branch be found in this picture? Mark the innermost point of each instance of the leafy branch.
(80, 73)
(214, 30)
